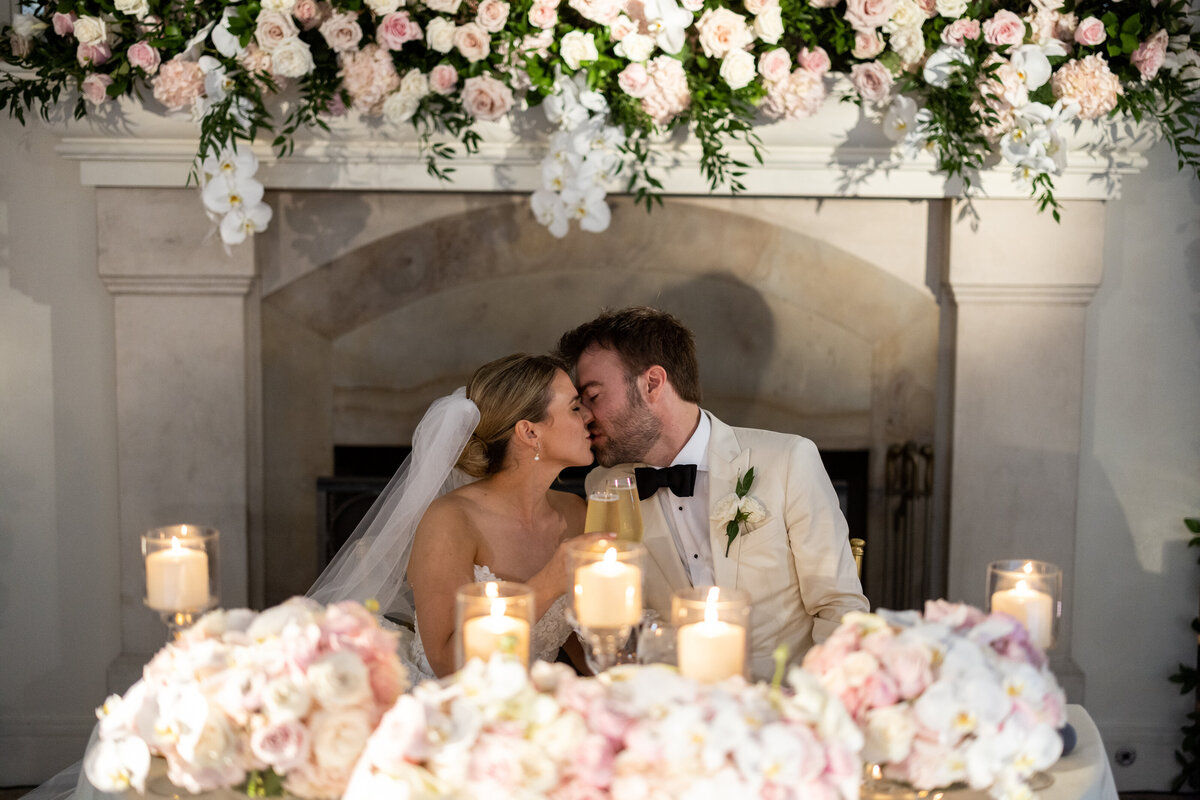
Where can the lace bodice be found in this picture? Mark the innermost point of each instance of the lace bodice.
(547, 636)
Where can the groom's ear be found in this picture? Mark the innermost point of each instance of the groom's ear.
(656, 383)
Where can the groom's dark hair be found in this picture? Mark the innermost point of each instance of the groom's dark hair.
(642, 336)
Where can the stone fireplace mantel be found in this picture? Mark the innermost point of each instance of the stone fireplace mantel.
(1012, 286)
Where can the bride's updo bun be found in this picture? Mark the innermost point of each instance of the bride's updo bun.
(506, 391)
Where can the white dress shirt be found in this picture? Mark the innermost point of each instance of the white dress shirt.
(688, 516)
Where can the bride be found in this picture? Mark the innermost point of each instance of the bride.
(473, 502)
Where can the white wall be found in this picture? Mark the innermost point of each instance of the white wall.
(1136, 588)
(58, 490)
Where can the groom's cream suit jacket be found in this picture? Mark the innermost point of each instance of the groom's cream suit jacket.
(796, 565)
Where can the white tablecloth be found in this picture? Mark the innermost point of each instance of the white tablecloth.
(1084, 774)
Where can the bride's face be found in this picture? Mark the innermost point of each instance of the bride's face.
(565, 428)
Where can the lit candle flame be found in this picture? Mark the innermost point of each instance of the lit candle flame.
(491, 589)
(710, 604)
(175, 545)
(1023, 587)
(610, 555)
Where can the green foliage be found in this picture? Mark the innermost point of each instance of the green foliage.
(1188, 680)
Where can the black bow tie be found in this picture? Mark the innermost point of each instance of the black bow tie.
(680, 479)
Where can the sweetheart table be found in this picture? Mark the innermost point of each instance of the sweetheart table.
(1084, 774)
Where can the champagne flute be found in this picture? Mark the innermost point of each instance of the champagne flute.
(602, 512)
(629, 509)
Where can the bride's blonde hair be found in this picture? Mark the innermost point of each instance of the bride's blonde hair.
(506, 391)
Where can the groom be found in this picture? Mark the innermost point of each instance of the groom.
(637, 374)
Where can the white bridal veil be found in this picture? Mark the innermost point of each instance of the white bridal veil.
(374, 561)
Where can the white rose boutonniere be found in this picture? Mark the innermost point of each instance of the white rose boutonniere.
(739, 507)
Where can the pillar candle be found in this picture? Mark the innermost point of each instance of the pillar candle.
(1032, 608)
(177, 578)
(608, 593)
(711, 650)
(496, 632)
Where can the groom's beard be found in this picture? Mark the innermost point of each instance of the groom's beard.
(629, 436)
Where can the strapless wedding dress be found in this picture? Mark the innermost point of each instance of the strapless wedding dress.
(547, 636)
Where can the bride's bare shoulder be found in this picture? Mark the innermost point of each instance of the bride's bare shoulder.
(451, 516)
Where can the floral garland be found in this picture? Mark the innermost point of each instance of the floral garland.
(972, 81)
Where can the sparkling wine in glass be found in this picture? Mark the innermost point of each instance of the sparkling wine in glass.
(629, 509)
(602, 512)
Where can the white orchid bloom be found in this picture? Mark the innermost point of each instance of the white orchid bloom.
(549, 210)
(667, 23)
(223, 195)
(217, 82)
(556, 175)
(244, 221)
(1032, 65)
(114, 765)
(943, 64)
(599, 167)
(899, 118)
(588, 207)
(231, 163)
(918, 141)
(226, 43)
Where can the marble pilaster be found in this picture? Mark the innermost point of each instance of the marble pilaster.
(1020, 285)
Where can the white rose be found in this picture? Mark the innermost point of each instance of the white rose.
(292, 58)
(90, 30)
(768, 26)
(339, 680)
(909, 44)
(381, 8)
(756, 7)
(414, 84)
(134, 8)
(492, 15)
(271, 28)
(282, 6)
(905, 15)
(951, 9)
(737, 69)
(754, 511)
(722, 30)
(338, 737)
(444, 6)
(439, 34)
(577, 47)
(472, 41)
(726, 508)
(285, 699)
(635, 47)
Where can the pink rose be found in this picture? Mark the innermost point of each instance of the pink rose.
(1005, 28)
(272, 27)
(1148, 57)
(928, 8)
(867, 44)
(64, 24)
(815, 60)
(95, 88)
(397, 28)
(603, 12)
(93, 54)
(144, 56)
(722, 30)
(443, 78)
(282, 746)
(634, 80)
(543, 15)
(910, 664)
(341, 31)
(775, 65)
(873, 81)
(622, 26)
(472, 41)
(492, 15)
(486, 98)
(310, 13)
(867, 15)
(593, 760)
(958, 32)
(756, 7)
(1090, 32)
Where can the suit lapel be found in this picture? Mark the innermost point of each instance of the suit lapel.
(726, 463)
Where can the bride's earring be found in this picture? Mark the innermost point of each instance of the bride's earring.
(537, 456)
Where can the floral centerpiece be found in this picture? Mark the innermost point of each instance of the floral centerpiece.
(955, 695)
(970, 81)
(495, 731)
(283, 699)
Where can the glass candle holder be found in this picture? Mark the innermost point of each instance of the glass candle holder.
(1031, 591)
(711, 626)
(604, 577)
(493, 618)
(182, 572)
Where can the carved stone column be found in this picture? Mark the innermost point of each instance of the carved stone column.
(1021, 285)
(187, 392)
